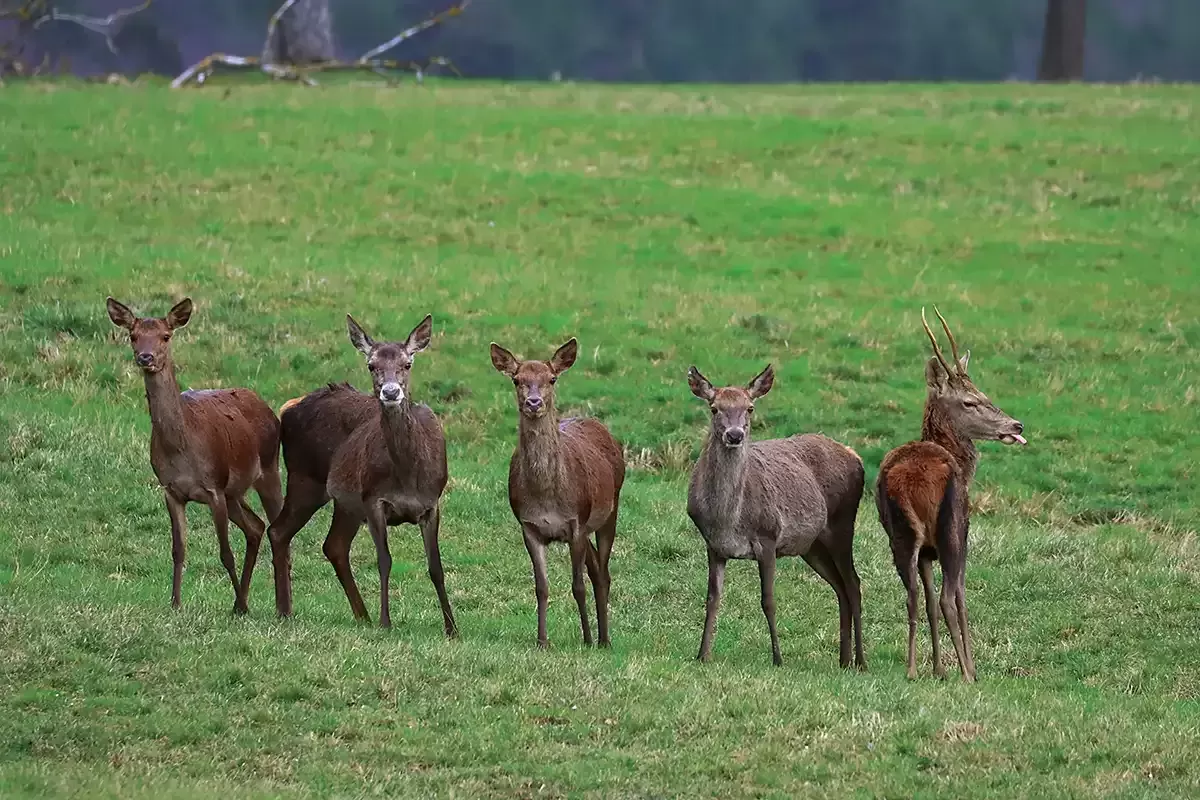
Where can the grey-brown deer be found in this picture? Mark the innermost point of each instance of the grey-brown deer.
(778, 497)
(921, 495)
(380, 457)
(208, 446)
(564, 483)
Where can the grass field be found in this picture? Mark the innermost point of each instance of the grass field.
(1057, 228)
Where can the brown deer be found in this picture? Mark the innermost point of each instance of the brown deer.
(779, 497)
(208, 446)
(381, 458)
(564, 483)
(922, 499)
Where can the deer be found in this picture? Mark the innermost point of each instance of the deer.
(768, 499)
(922, 496)
(381, 459)
(564, 484)
(206, 446)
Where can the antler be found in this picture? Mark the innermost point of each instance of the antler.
(953, 344)
(937, 350)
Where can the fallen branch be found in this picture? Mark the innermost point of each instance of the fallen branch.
(108, 27)
(203, 69)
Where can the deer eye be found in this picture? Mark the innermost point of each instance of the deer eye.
(750, 410)
(554, 379)
(970, 404)
(713, 409)
(516, 382)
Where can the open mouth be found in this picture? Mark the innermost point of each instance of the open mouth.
(1012, 438)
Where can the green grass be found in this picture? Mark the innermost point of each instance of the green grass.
(1057, 228)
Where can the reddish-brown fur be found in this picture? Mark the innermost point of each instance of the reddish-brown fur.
(207, 447)
(797, 496)
(381, 460)
(922, 498)
(564, 483)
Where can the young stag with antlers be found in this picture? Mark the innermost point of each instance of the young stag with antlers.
(779, 497)
(922, 499)
(207, 447)
(564, 482)
(381, 458)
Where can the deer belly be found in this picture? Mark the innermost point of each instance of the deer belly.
(402, 510)
(550, 526)
(729, 544)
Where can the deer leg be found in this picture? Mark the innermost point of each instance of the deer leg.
(601, 578)
(377, 524)
(906, 567)
(433, 558)
(541, 588)
(579, 558)
(844, 561)
(220, 516)
(951, 581)
(716, 584)
(244, 517)
(269, 492)
(176, 509)
(968, 649)
(766, 576)
(925, 565)
(337, 549)
(819, 558)
(303, 499)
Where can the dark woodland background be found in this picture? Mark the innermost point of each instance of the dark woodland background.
(675, 40)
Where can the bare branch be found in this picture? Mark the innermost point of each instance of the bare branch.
(272, 31)
(405, 35)
(202, 70)
(108, 27)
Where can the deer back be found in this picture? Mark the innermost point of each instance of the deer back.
(232, 436)
(319, 423)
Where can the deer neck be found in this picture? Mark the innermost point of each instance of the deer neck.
(166, 408)
(724, 477)
(398, 434)
(539, 449)
(938, 428)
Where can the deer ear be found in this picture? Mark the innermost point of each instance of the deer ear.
(419, 338)
(700, 385)
(361, 340)
(962, 362)
(120, 314)
(179, 314)
(504, 361)
(935, 376)
(762, 383)
(564, 356)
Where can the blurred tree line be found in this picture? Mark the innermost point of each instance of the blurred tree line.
(700, 40)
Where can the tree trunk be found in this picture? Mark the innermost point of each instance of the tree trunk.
(1062, 41)
(304, 35)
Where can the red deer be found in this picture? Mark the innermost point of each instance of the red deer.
(209, 446)
(564, 483)
(779, 497)
(922, 499)
(381, 458)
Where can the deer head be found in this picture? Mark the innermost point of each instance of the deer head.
(390, 363)
(150, 337)
(731, 406)
(534, 380)
(971, 414)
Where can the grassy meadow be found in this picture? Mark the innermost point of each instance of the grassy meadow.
(1057, 228)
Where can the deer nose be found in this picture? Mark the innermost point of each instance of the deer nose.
(534, 404)
(1020, 427)
(735, 436)
(144, 359)
(390, 392)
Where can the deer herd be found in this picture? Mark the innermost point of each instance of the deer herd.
(381, 459)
